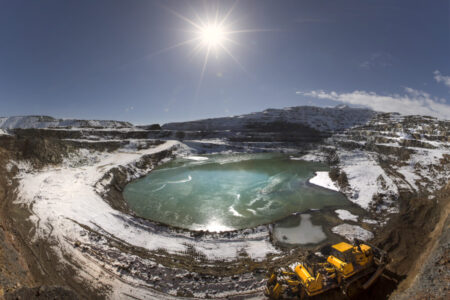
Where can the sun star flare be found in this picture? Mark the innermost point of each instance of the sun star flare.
(212, 35)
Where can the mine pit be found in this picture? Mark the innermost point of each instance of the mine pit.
(160, 217)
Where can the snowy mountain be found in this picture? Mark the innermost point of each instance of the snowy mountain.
(325, 119)
(50, 122)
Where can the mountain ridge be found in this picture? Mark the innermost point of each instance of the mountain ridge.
(39, 122)
(319, 118)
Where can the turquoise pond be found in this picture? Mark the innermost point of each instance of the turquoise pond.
(228, 192)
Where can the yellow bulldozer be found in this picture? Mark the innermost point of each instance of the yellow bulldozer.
(346, 265)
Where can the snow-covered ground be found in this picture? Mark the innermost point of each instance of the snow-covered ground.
(420, 175)
(346, 215)
(323, 179)
(315, 156)
(59, 195)
(64, 198)
(365, 177)
(393, 153)
(351, 232)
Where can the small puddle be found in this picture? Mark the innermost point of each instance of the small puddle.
(298, 231)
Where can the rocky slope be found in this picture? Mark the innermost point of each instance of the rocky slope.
(328, 119)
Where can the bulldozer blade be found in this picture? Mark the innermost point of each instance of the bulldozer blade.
(373, 278)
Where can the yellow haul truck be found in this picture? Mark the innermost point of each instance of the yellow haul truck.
(346, 265)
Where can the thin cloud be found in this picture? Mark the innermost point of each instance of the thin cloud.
(412, 102)
(377, 60)
(441, 78)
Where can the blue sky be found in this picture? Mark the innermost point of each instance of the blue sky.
(104, 59)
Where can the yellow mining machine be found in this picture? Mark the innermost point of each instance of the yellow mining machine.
(347, 265)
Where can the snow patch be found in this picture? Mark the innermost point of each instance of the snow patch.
(313, 156)
(365, 177)
(346, 215)
(323, 179)
(351, 232)
(370, 221)
(410, 176)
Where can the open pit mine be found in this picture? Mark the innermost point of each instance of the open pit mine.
(224, 208)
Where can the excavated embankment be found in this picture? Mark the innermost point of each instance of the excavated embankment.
(31, 269)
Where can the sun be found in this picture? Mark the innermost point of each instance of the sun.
(212, 35)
